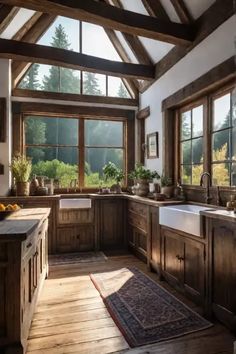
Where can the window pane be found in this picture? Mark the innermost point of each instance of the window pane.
(116, 88)
(95, 42)
(233, 174)
(96, 158)
(103, 133)
(221, 112)
(57, 163)
(186, 152)
(197, 150)
(186, 174)
(57, 131)
(197, 121)
(94, 84)
(197, 170)
(221, 174)
(234, 143)
(221, 145)
(186, 125)
(63, 33)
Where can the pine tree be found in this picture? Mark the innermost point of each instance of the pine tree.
(61, 79)
(122, 92)
(90, 84)
(30, 80)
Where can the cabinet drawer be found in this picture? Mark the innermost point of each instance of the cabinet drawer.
(75, 216)
(137, 221)
(32, 239)
(138, 208)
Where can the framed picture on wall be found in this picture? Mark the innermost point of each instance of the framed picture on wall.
(152, 146)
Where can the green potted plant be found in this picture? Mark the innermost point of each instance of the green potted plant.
(21, 167)
(113, 174)
(142, 177)
(167, 187)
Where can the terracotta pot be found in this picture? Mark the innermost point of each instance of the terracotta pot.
(168, 191)
(22, 188)
(142, 188)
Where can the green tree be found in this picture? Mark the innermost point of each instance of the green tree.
(30, 80)
(61, 79)
(122, 92)
(90, 84)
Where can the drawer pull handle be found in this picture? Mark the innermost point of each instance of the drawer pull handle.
(40, 232)
(29, 245)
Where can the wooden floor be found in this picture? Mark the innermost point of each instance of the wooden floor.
(71, 318)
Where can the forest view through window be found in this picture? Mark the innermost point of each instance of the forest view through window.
(219, 138)
(55, 149)
(73, 35)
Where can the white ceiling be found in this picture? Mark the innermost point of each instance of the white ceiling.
(19, 20)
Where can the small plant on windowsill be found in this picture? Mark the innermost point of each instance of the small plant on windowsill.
(167, 186)
(142, 177)
(21, 167)
(113, 175)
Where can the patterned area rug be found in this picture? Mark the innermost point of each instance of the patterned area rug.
(81, 257)
(144, 311)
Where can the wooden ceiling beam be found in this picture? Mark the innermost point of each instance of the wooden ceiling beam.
(7, 13)
(112, 17)
(207, 23)
(155, 8)
(182, 11)
(35, 53)
(27, 26)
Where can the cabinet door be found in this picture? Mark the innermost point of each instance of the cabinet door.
(112, 225)
(172, 251)
(85, 238)
(154, 239)
(194, 270)
(223, 263)
(67, 240)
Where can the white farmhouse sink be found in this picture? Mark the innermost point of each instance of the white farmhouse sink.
(75, 203)
(183, 217)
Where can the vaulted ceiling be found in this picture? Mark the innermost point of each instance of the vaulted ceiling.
(150, 36)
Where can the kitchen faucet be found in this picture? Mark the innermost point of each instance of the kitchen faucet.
(209, 184)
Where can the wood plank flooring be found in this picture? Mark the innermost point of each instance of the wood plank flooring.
(71, 318)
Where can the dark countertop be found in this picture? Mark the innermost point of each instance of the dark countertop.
(20, 224)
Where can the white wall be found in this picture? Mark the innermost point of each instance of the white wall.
(5, 148)
(215, 49)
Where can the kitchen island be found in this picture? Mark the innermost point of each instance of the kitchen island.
(23, 268)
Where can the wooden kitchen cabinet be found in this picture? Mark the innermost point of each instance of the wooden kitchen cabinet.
(75, 239)
(183, 263)
(154, 240)
(222, 270)
(23, 268)
(112, 227)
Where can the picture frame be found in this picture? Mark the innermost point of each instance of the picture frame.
(153, 145)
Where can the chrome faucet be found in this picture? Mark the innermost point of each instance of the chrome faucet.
(209, 184)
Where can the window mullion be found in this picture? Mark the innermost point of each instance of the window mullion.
(81, 153)
(207, 155)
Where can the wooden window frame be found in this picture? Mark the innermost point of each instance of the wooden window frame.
(81, 144)
(207, 101)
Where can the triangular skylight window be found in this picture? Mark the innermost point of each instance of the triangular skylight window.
(80, 37)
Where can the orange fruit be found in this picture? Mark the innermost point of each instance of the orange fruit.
(2, 207)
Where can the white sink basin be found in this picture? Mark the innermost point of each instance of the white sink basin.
(184, 217)
(75, 203)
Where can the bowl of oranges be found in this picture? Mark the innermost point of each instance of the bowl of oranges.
(6, 210)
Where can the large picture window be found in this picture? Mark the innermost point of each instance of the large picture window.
(209, 127)
(55, 145)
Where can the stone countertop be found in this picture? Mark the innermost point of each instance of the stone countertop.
(220, 214)
(20, 224)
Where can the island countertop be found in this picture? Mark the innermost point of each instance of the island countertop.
(20, 224)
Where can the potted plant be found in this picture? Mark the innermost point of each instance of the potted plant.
(21, 167)
(113, 174)
(142, 177)
(167, 187)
